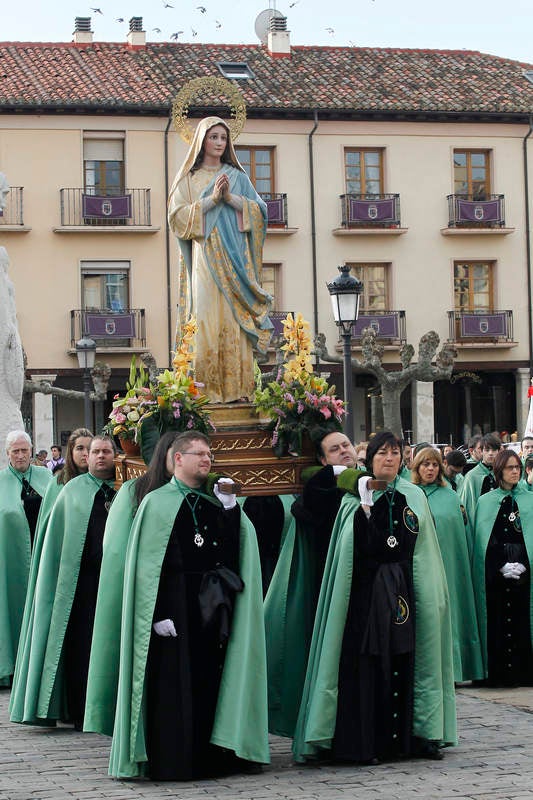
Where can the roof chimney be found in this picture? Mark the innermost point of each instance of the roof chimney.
(82, 30)
(136, 35)
(278, 41)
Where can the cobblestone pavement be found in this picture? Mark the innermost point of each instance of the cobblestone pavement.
(494, 761)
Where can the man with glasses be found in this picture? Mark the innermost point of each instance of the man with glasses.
(192, 683)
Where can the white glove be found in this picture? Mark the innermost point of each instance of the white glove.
(365, 493)
(512, 570)
(165, 628)
(338, 468)
(227, 500)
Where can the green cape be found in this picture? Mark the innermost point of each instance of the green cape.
(469, 494)
(241, 718)
(52, 491)
(487, 510)
(102, 680)
(39, 696)
(434, 695)
(450, 525)
(15, 553)
(290, 614)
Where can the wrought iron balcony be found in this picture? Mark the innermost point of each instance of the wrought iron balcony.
(389, 325)
(109, 328)
(480, 326)
(130, 207)
(370, 210)
(276, 209)
(13, 212)
(465, 211)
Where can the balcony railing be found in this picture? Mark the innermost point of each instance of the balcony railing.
(84, 207)
(276, 209)
(389, 325)
(464, 211)
(109, 328)
(13, 212)
(370, 210)
(480, 326)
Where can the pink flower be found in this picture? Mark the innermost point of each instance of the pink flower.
(300, 407)
(190, 423)
(119, 417)
(326, 412)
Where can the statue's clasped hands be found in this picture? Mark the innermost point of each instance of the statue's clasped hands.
(221, 189)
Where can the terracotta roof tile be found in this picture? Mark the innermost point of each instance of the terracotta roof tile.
(350, 79)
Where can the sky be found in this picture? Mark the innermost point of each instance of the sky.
(489, 26)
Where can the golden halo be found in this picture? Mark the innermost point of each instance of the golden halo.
(221, 86)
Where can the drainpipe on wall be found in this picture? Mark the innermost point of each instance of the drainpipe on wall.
(313, 227)
(170, 342)
(528, 247)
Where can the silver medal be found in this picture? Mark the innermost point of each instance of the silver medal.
(512, 516)
(198, 540)
(392, 541)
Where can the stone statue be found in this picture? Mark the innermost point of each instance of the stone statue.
(11, 355)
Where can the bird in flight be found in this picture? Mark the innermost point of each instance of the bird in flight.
(119, 19)
(291, 5)
(167, 5)
(156, 30)
(218, 24)
(330, 31)
(194, 33)
(175, 35)
(201, 9)
(97, 11)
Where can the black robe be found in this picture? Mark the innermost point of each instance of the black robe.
(183, 672)
(31, 500)
(267, 516)
(78, 636)
(376, 671)
(509, 652)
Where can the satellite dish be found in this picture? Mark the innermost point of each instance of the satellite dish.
(262, 23)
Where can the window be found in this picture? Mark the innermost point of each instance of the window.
(237, 70)
(471, 173)
(473, 285)
(271, 283)
(363, 171)
(103, 165)
(105, 285)
(258, 162)
(375, 295)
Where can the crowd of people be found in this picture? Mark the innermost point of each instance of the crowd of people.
(187, 623)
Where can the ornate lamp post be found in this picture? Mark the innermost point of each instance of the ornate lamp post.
(86, 351)
(345, 292)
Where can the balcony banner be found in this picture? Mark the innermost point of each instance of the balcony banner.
(385, 325)
(276, 318)
(108, 326)
(106, 207)
(480, 211)
(484, 324)
(275, 211)
(371, 210)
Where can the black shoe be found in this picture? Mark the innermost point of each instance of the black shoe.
(424, 748)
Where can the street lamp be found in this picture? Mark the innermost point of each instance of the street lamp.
(86, 351)
(345, 292)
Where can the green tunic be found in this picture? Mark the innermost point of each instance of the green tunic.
(487, 510)
(434, 696)
(15, 553)
(451, 525)
(241, 718)
(470, 493)
(39, 698)
(103, 672)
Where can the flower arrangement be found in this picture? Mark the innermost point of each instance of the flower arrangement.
(174, 403)
(298, 400)
(134, 406)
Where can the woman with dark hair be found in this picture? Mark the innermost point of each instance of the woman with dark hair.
(100, 705)
(450, 524)
(503, 553)
(379, 681)
(220, 222)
